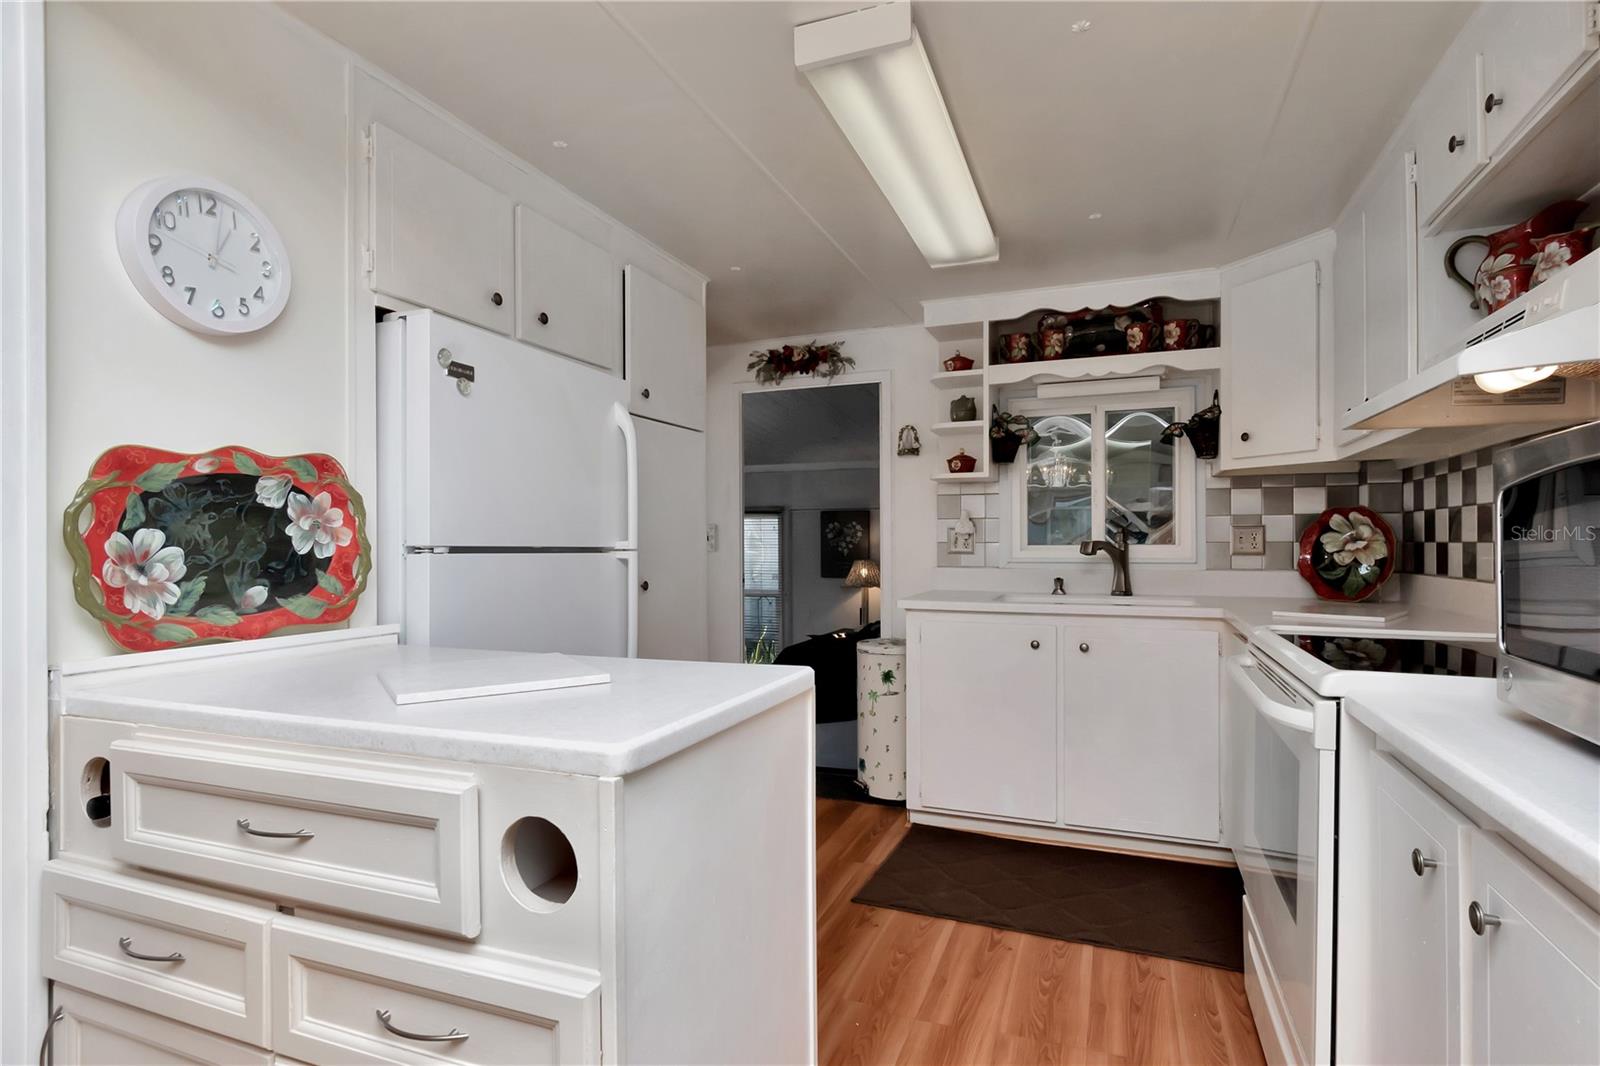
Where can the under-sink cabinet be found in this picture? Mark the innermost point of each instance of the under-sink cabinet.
(1080, 728)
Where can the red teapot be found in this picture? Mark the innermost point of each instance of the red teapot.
(1507, 270)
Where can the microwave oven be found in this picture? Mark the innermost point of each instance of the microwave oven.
(1547, 577)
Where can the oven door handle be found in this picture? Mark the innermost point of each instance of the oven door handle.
(1296, 718)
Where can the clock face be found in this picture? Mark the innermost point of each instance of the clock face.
(203, 255)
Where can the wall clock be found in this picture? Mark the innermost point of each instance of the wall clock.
(203, 255)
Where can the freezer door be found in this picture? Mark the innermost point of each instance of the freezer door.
(509, 446)
(580, 603)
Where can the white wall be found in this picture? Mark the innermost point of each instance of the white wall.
(813, 603)
(235, 91)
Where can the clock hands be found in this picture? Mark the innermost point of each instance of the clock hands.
(211, 257)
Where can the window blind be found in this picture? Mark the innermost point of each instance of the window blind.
(763, 580)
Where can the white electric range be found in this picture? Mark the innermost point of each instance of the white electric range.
(1280, 816)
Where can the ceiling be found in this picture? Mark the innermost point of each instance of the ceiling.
(834, 424)
(1199, 132)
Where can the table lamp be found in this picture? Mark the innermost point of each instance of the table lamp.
(863, 575)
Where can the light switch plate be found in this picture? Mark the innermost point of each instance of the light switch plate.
(1249, 540)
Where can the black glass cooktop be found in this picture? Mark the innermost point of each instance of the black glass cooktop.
(1398, 655)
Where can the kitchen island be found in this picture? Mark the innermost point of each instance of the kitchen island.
(258, 851)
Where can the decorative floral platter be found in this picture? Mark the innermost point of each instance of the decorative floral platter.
(171, 548)
(1347, 553)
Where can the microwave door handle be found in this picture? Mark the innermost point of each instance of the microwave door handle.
(1295, 718)
(630, 441)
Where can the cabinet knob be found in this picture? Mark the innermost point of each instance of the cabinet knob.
(1491, 102)
(1034, 644)
(1479, 919)
(644, 586)
(544, 319)
(1244, 436)
(1084, 647)
(496, 299)
(1420, 864)
(1455, 142)
(645, 393)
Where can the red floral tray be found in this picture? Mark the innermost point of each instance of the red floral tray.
(171, 548)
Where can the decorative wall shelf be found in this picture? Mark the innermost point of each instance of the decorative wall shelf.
(976, 475)
(973, 428)
(959, 379)
(1194, 360)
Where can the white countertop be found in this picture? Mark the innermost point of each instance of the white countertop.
(327, 693)
(1539, 786)
(1244, 613)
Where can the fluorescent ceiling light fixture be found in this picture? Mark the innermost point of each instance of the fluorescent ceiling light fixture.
(873, 76)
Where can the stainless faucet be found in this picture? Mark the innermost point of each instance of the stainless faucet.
(1060, 588)
(1117, 549)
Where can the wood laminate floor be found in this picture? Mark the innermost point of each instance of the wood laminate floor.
(903, 988)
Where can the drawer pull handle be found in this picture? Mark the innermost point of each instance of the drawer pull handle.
(298, 834)
(452, 1036)
(126, 944)
(1481, 920)
(1420, 864)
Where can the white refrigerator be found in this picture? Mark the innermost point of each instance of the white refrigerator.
(508, 506)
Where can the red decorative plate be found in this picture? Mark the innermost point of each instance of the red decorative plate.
(171, 548)
(1347, 553)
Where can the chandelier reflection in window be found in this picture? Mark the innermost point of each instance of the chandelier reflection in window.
(1060, 458)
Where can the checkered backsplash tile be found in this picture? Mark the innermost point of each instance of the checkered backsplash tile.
(1284, 504)
(1449, 518)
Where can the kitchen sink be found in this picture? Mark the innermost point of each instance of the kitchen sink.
(1074, 600)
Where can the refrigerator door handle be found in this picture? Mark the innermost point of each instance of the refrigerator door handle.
(631, 444)
(633, 604)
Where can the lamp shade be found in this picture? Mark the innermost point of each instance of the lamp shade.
(863, 574)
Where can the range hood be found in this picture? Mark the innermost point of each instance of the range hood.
(1555, 324)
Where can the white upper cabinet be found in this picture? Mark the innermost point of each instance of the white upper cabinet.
(1449, 119)
(1389, 280)
(569, 292)
(441, 238)
(665, 349)
(1349, 313)
(1532, 49)
(1533, 964)
(1270, 391)
(1141, 744)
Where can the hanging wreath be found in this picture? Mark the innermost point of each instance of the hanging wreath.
(821, 360)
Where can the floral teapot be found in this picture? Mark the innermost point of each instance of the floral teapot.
(1521, 256)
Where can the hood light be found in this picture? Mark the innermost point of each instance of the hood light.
(1502, 381)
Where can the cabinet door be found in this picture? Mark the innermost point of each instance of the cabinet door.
(1534, 970)
(440, 237)
(1389, 280)
(1449, 130)
(1349, 313)
(1414, 1009)
(1140, 727)
(985, 724)
(1271, 400)
(1530, 52)
(569, 292)
(665, 349)
(672, 542)
(98, 1032)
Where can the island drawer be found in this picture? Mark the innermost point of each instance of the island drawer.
(386, 840)
(99, 1032)
(348, 996)
(190, 957)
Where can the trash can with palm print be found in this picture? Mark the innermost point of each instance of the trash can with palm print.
(881, 718)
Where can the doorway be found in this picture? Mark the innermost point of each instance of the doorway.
(814, 537)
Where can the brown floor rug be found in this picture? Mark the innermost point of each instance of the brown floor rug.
(1177, 910)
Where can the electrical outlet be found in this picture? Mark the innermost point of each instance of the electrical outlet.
(711, 536)
(961, 542)
(1249, 540)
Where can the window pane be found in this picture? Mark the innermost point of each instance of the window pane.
(1059, 480)
(1140, 475)
(763, 586)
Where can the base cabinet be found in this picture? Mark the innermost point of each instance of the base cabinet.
(91, 1030)
(1065, 722)
(985, 739)
(1140, 732)
(1533, 964)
